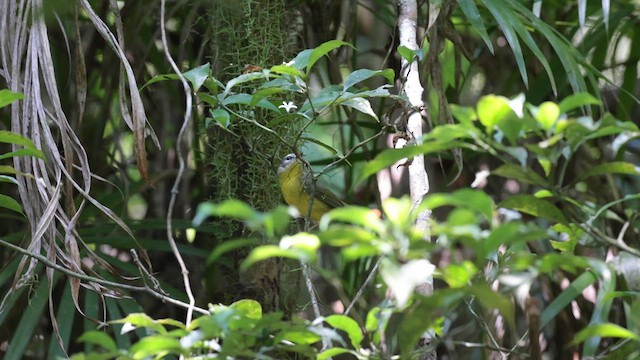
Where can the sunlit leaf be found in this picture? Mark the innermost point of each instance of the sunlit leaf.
(532, 205)
(347, 325)
(7, 97)
(323, 50)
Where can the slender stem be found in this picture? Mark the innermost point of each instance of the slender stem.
(62, 269)
(181, 168)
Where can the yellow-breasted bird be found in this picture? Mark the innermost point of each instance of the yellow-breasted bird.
(296, 184)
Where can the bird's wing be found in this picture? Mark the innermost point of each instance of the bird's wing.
(322, 193)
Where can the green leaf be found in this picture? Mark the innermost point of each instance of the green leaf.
(323, 50)
(154, 346)
(198, 75)
(492, 109)
(245, 78)
(467, 198)
(470, 10)
(388, 157)
(229, 208)
(270, 251)
(459, 275)
(248, 308)
(361, 104)
(23, 152)
(221, 117)
(8, 202)
(495, 300)
(347, 325)
(357, 215)
(607, 330)
(7, 97)
(333, 352)
(246, 99)
(506, 20)
(99, 338)
(286, 69)
(525, 175)
(566, 297)
(531, 205)
(230, 245)
(409, 54)
(364, 74)
(142, 320)
(577, 100)
(547, 114)
(616, 167)
(13, 138)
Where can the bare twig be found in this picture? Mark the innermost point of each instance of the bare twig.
(181, 168)
(62, 269)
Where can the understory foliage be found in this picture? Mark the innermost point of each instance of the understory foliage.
(532, 152)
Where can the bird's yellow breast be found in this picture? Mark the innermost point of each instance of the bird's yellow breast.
(291, 185)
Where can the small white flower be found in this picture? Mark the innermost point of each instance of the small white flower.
(188, 341)
(288, 106)
(126, 327)
(290, 63)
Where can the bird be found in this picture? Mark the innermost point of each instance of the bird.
(296, 184)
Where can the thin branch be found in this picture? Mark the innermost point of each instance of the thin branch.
(181, 168)
(367, 281)
(85, 277)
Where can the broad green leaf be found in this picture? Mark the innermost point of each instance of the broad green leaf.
(361, 104)
(390, 156)
(364, 74)
(547, 114)
(13, 138)
(99, 338)
(221, 117)
(357, 215)
(347, 325)
(300, 337)
(304, 241)
(525, 175)
(492, 109)
(248, 308)
(470, 10)
(229, 208)
(333, 352)
(287, 70)
(198, 75)
(505, 18)
(606, 330)
(566, 297)
(339, 235)
(24, 326)
(154, 345)
(491, 299)
(270, 251)
(245, 78)
(323, 50)
(459, 275)
(142, 320)
(466, 198)
(230, 245)
(263, 93)
(577, 100)
(23, 152)
(10, 203)
(7, 97)
(246, 99)
(531, 205)
(602, 309)
(616, 167)
(409, 54)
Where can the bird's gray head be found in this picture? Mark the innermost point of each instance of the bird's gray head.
(288, 159)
